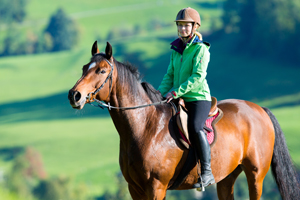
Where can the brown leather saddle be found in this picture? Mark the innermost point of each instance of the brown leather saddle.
(182, 119)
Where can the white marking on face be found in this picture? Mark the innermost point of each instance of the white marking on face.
(92, 65)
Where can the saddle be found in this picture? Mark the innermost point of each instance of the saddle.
(215, 114)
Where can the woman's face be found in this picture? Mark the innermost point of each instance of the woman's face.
(184, 28)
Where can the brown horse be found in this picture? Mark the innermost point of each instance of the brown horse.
(249, 136)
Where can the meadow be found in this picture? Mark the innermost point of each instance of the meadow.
(84, 145)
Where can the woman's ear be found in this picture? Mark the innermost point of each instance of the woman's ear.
(196, 26)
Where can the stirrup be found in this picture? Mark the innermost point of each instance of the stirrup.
(201, 188)
(199, 185)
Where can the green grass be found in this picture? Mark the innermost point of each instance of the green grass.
(27, 77)
(4, 194)
(282, 100)
(289, 118)
(80, 149)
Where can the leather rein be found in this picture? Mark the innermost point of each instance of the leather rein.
(103, 105)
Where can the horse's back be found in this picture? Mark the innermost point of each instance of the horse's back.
(246, 113)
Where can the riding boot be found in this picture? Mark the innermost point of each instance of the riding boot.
(202, 148)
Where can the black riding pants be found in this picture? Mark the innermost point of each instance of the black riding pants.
(198, 113)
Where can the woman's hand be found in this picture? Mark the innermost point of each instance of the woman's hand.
(169, 97)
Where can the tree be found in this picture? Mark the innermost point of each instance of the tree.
(12, 10)
(44, 43)
(264, 27)
(63, 31)
(54, 188)
(231, 16)
(26, 170)
(16, 42)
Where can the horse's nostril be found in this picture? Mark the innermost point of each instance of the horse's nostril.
(77, 96)
(70, 95)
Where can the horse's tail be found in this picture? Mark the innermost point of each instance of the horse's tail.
(282, 166)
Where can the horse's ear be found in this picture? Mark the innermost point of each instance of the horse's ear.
(95, 49)
(108, 51)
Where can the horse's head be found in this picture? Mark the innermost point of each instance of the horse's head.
(96, 80)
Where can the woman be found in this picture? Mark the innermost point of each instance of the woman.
(185, 78)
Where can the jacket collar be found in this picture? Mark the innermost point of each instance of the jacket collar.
(179, 46)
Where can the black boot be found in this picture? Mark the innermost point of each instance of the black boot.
(202, 148)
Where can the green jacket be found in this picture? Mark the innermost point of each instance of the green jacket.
(186, 73)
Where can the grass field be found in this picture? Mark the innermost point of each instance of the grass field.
(89, 155)
(70, 148)
(289, 118)
(34, 110)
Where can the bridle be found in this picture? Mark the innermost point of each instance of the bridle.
(109, 76)
(102, 104)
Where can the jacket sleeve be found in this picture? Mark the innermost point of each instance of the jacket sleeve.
(200, 63)
(167, 82)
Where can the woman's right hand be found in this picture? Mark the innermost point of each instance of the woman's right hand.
(169, 97)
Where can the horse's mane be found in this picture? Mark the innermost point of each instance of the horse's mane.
(128, 73)
(133, 76)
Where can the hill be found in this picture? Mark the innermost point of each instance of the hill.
(34, 109)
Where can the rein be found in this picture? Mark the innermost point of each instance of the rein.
(102, 104)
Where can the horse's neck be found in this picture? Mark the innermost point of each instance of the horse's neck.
(131, 124)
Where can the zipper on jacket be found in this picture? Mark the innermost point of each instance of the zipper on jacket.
(179, 71)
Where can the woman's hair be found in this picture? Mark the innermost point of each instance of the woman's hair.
(199, 35)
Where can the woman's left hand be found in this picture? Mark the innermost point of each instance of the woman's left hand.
(169, 97)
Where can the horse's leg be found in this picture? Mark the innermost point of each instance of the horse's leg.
(255, 175)
(157, 191)
(135, 195)
(225, 187)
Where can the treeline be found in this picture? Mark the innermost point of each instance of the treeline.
(61, 32)
(266, 28)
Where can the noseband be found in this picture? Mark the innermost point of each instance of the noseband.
(110, 76)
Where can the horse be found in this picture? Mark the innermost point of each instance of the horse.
(249, 137)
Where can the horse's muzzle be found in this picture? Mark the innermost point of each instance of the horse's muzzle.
(76, 99)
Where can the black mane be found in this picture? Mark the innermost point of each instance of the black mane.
(130, 74)
(133, 76)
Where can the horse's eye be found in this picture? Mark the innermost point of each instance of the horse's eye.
(98, 71)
